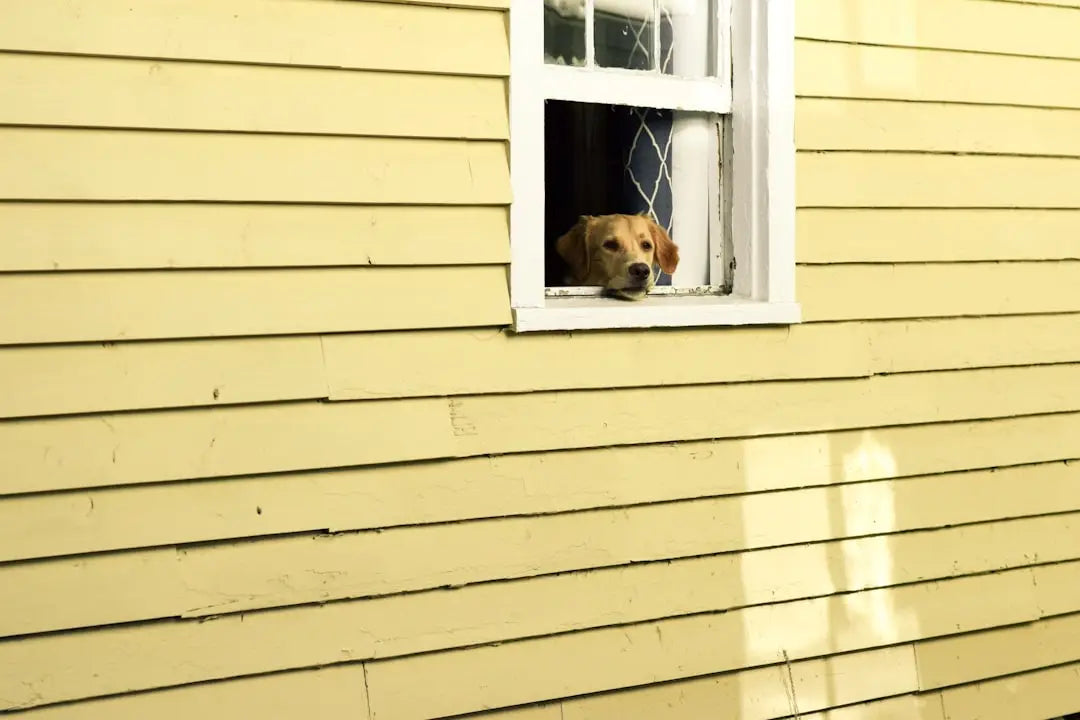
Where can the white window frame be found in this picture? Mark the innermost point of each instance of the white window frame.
(761, 173)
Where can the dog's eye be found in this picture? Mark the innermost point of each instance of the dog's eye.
(611, 245)
(646, 246)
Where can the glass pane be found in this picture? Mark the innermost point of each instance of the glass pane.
(688, 37)
(564, 32)
(623, 30)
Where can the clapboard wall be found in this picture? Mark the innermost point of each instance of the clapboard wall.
(268, 449)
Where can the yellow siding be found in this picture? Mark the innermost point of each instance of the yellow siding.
(329, 693)
(770, 692)
(366, 366)
(445, 683)
(126, 448)
(209, 580)
(952, 661)
(269, 450)
(155, 94)
(162, 514)
(904, 707)
(95, 236)
(1030, 696)
(56, 164)
(968, 289)
(972, 26)
(127, 376)
(858, 125)
(422, 635)
(862, 179)
(827, 236)
(397, 37)
(872, 72)
(79, 307)
(1058, 590)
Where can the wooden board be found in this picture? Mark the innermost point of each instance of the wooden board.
(842, 70)
(362, 366)
(80, 307)
(55, 164)
(446, 683)
(275, 572)
(107, 236)
(986, 27)
(861, 292)
(917, 180)
(157, 94)
(1058, 591)
(760, 693)
(126, 375)
(1037, 695)
(828, 235)
(328, 692)
(128, 448)
(998, 651)
(904, 707)
(527, 484)
(51, 379)
(251, 575)
(126, 658)
(358, 35)
(833, 124)
(548, 711)
(87, 451)
(546, 421)
(914, 345)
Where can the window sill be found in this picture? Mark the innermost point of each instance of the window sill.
(577, 313)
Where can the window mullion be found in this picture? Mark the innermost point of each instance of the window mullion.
(635, 88)
(590, 33)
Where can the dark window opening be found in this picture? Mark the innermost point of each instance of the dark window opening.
(600, 160)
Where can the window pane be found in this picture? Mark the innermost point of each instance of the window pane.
(687, 37)
(564, 32)
(623, 30)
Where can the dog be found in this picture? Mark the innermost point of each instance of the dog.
(617, 252)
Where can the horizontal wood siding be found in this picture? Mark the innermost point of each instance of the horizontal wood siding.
(108, 236)
(56, 164)
(983, 27)
(160, 94)
(329, 692)
(80, 307)
(1029, 696)
(269, 448)
(396, 37)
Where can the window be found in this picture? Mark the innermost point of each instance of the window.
(681, 110)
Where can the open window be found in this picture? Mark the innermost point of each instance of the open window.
(678, 110)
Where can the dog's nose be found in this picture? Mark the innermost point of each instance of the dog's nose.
(639, 272)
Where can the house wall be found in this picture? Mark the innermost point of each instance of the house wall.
(269, 451)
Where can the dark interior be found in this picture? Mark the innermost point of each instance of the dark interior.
(588, 147)
(585, 153)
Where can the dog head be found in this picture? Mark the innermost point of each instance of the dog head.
(617, 252)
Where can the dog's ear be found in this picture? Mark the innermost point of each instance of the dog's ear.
(667, 252)
(573, 247)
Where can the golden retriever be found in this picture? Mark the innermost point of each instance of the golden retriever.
(617, 252)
